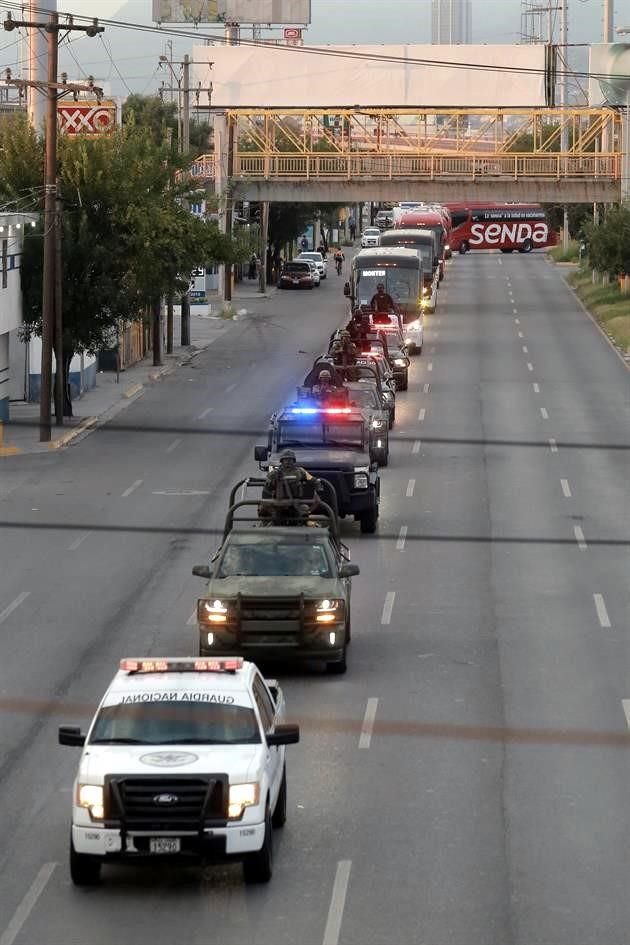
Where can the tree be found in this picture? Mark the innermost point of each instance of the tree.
(609, 243)
(126, 235)
(160, 118)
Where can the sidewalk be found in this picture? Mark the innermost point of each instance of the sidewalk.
(21, 434)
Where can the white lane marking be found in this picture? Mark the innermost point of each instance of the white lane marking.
(430, 366)
(388, 606)
(530, 366)
(515, 310)
(553, 446)
(517, 321)
(131, 488)
(536, 388)
(367, 727)
(411, 485)
(602, 614)
(337, 903)
(579, 537)
(432, 350)
(416, 447)
(192, 620)
(520, 334)
(78, 541)
(566, 488)
(27, 905)
(625, 705)
(500, 262)
(525, 349)
(543, 413)
(426, 388)
(402, 538)
(422, 414)
(230, 388)
(173, 446)
(13, 605)
(204, 413)
(181, 492)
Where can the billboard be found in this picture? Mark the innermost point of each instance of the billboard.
(232, 11)
(86, 118)
(388, 76)
(609, 72)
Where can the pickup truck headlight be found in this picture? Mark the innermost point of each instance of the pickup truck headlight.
(242, 796)
(214, 611)
(90, 796)
(329, 611)
(360, 481)
(377, 424)
(400, 362)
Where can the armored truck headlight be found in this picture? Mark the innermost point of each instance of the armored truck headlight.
(378, 424)
(400, 362)
(360, 481)
(90, 796)
(242, 796)
(213, 611)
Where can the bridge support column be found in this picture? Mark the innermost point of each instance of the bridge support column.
(625, 156)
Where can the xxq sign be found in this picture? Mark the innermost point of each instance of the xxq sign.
(86, 118)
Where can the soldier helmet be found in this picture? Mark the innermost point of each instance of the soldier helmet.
(325, 375)
(287, 456)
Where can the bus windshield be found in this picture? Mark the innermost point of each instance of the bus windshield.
(402, 284)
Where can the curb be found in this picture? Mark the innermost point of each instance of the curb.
(72, 434)
(601, 330)
(132, 391)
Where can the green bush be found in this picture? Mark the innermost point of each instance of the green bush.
(570, 254)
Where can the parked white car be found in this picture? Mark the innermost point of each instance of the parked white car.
(319, 261)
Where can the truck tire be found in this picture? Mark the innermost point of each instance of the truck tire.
(527, 246)
(381, 457)
(279, 817)
(368, 520)
(258, 866)
(404, 384)
(392, 418)
(339, 667)
(85, 870)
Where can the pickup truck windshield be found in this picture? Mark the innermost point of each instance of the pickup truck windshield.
(274, 559)
(161, 720)
(320, 433)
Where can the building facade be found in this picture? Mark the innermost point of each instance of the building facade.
(451, 22)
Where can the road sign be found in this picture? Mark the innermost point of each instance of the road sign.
(292, 32)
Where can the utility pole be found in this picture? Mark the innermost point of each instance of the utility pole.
(609, 15)
(59, 353)
(186, 106)
(232, 32)
(564, 137)
(54, 90)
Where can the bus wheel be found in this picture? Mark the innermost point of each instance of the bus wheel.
(506, 250)
(463, 247)
(527, 246)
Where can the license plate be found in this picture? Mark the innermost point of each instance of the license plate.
(164, 845)
(295, 281)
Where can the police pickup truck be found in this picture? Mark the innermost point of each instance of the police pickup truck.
(183, 761)
(333, 444)
(279, 585)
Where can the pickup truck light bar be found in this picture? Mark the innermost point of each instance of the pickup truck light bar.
(228, 664)
(310, 411)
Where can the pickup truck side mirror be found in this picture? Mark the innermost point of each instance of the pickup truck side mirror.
(260, 454)
(202, 571)
(346, 290)
(69, 735)
(284, 735)
(349, 570)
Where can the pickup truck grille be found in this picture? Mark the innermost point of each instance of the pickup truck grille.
(270, 608)
(176, 802)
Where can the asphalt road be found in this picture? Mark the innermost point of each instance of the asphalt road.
(487, 801)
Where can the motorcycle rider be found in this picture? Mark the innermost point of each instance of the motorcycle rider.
(339, 260)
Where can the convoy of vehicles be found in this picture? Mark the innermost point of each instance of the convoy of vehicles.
(185, 757)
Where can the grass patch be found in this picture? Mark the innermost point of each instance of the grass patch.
(607, 304)
(570, 254)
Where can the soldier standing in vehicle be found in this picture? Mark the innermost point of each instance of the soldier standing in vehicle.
(286, 482)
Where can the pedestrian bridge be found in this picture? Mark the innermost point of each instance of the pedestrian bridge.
(545, 155)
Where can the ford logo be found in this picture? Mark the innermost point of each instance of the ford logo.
(166, 799)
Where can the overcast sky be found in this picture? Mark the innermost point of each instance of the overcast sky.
(135, 54)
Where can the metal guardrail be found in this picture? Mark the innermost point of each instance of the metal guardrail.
(361, 166)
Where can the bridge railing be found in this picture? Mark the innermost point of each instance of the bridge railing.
(317, 166)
